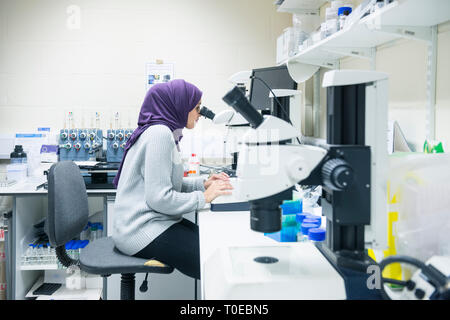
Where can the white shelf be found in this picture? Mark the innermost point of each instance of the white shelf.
(301, 6)
(65, 294)
(415, 13)
(400, 19)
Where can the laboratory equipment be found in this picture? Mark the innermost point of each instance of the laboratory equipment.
(116, 142)
(298, 272)
(232, 202)
(80, 144)
(99, 175)
(204, 111)
(194, 166)
(16, 172)
(343, 12)
(350, 166)
(276, 78)
(18, 155)
(430, 282)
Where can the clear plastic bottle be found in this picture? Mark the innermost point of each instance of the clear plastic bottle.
(93, 235)
(194, 166)
(41, 253)
(343, 13)
(99, 231)
(85, 233)
(28, 255)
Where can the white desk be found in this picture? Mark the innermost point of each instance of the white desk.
(30, 206)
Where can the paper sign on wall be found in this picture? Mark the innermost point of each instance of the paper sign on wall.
(158, 73)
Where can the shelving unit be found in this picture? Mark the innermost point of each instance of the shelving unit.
(410, 19)
(301, 6)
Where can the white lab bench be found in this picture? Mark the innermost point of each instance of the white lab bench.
(30, 206)
(224, 230)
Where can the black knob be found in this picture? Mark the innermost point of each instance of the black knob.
(419, 293)
(410, 285)
(337, 174)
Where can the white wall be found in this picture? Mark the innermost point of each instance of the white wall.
(48, 69)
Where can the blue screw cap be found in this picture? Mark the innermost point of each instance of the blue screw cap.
(307, 226)
(317, 222)
(317, 234)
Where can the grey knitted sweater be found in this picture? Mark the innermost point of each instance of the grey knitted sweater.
(152, 194)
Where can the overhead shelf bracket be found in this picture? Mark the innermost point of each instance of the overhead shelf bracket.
(408, 32)
(364, 53)
(322, 63)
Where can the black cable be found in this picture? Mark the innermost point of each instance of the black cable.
(64, 258)
(277, 101)
(144, 286)
(433, 277)
(394, 281)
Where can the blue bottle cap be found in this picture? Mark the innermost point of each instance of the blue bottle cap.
(307, 226)
(69, 245)
(301, 216)
(312, 221)
(317, 234)
(342, 9)
(291, 206)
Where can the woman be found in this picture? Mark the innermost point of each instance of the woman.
(152, 195)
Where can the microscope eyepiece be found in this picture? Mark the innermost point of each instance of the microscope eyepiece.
(236, 99)
(204, 111)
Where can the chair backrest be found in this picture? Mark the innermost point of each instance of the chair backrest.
(68, 210)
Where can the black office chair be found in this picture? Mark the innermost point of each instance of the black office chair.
(68, 215)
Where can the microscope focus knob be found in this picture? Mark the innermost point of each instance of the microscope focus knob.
(337, 174)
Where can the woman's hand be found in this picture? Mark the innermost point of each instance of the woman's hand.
(217, 188)
(218, 176)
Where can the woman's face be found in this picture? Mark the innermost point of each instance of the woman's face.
(193, 116)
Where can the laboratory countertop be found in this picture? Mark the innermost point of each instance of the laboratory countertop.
(220, 232)
(231, 228)
(29, 185)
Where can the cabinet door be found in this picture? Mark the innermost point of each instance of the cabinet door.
(174, 286)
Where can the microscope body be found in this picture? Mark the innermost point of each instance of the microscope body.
(351, 167)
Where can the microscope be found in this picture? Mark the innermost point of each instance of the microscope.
(351, 167)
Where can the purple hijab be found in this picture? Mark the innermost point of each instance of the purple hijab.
(168, 104)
